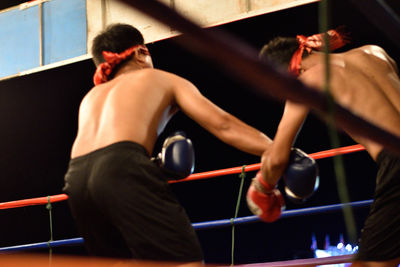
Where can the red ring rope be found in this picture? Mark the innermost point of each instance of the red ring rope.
(195, 176)
(33, 201)
(254, 167)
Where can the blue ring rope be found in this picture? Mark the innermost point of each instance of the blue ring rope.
(46, 245)
(285, 214)
(201, 225)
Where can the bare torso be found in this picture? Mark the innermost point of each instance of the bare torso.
(365, 81)
(134, 106)
(137, 104)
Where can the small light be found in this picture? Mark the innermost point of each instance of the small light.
(322, 253)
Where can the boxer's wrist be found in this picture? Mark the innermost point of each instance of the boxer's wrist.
(265, 187)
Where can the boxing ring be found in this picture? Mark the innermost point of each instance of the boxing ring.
(48, 201)
(236, 56)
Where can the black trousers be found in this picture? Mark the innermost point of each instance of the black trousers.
(123, 207)
(380, 237)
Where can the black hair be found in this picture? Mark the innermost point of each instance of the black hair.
(115, 38)
(279, 51)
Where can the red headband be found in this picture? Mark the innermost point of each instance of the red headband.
(112, 60)
(336, 39)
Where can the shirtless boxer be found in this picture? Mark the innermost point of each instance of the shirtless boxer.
(119, 198)
(364, 80)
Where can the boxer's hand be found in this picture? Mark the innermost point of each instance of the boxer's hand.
(264, 200)
(301, 176)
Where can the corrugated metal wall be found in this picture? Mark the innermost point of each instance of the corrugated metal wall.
(36, 35)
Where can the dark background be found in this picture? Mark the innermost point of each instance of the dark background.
(38, 118)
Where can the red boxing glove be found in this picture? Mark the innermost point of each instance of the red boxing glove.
(264, 200)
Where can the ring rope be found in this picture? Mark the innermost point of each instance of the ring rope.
(203, 225)
(242, 177)
(298, 262)
(254, 167)
(33, 201)
(303, 262)
(233, 221)
(285, 214)
(48, 207)
(195, 176)
(43, 245)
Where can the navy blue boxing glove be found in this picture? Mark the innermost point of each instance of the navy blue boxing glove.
(301, 176)
(177, 156)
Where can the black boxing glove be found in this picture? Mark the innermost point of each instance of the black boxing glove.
(176, 156)
(301, 176)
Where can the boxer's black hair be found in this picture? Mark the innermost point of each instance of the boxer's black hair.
(115, 38)
(280, 50)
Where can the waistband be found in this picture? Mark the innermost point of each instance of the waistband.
(380, 157)
(386, 155)
(115, 146)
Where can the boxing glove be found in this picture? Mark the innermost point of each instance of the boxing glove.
(264, 200)
(301, 176)
(176, 156)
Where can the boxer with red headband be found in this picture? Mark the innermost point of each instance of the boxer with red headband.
(112, 60)
(364, 80)
(336, 39)
(116, 182)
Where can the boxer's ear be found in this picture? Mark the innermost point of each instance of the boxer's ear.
(143, 58)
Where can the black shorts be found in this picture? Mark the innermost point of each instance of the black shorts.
(380, 238)
(123, 207)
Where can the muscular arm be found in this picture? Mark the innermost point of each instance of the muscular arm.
(218, 122)
(275, 159)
